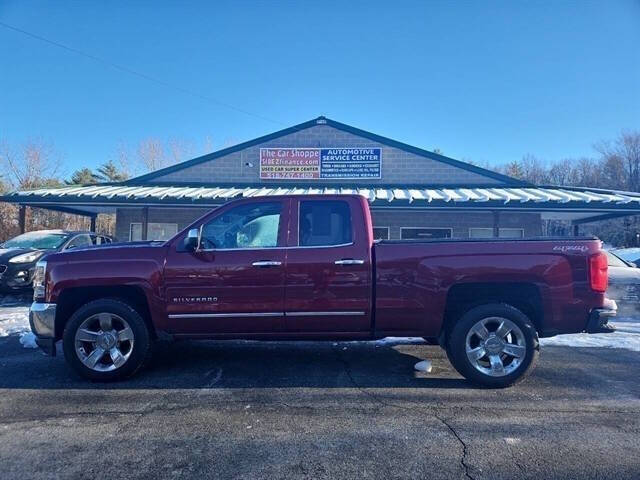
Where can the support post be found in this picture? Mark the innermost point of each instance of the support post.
(496, 223)
(93, 223)
(576, 230)
(145, 222)
(22, 218)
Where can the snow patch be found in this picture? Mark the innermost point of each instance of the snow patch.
(28, 340)
(626, 336)
(423, 366)
(14, 320)
(400, 341)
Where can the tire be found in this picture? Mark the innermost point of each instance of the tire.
(521, 343)
(87, 333)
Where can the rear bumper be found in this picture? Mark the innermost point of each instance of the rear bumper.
(599, 318)
(42, 319)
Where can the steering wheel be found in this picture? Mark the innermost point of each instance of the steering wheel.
(207, 244)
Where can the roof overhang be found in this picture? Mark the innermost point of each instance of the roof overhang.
(579, 205)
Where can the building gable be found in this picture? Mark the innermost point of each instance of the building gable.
(399, 164)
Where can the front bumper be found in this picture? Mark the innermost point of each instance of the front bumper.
(16, 277)
(42, 319)
(599, 318)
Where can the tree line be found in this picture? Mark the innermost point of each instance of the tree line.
(35, 163)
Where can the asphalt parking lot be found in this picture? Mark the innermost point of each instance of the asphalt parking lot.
(318, 410)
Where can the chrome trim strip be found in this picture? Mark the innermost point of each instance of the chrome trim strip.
(263, 314)
(267, 263)
(320, 314)
(229, 315)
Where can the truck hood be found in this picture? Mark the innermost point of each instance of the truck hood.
(111, 252)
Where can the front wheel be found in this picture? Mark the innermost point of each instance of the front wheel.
(106, 340)
(493, 345)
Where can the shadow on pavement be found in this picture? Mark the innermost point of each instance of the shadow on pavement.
(245, 364)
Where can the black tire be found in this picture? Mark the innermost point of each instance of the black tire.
(456, 345)
(141, 347)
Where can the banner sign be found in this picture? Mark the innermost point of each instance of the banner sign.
(320, 163)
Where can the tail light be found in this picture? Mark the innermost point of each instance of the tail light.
(598, 277)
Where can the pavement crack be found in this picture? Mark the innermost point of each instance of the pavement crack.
(463, 458)
(347, 369)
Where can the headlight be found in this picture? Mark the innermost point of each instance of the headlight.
(28, 257)
(39, 288)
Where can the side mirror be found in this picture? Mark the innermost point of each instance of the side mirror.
(192, 240)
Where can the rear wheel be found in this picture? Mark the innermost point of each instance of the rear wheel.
(493, 345)
(106, 340)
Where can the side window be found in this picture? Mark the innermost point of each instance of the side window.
(253, 225)
(135, 232)
(80, 241)
(324, 223)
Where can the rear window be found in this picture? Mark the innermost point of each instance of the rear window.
(324, 223)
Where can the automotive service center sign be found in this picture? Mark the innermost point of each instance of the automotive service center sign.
(320, 163)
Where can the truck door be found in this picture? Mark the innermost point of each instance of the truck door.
(234, 283)
(328, 278)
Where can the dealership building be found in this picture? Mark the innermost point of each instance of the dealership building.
(414, 193)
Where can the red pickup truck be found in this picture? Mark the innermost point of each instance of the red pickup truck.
(307, 268)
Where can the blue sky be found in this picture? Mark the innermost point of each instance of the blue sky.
(483, 81)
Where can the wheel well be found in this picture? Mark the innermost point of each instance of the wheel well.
(73, 298)
(463, 297)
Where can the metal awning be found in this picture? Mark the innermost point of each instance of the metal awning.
(105, 198)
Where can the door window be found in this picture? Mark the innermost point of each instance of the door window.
(80, 241)
(324, 223)
(254, 225)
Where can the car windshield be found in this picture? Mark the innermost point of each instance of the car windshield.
(614, 261)
(629, 254)
(37, 240)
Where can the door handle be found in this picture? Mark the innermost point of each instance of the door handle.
(267, 263)
(349, 261)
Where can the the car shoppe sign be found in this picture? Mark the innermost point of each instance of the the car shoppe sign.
(319, 163)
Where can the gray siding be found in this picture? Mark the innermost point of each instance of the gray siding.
(398, 167)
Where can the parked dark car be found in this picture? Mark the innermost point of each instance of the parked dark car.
(624, 283)
(631, 255)
(18, 256)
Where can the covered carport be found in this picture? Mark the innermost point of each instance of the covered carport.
(576, 205)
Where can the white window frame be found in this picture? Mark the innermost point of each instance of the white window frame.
(131, 231)
(388, 229)
(490, 229)
(163, 223)
(501, 229)
(521, 230)
(427, 228)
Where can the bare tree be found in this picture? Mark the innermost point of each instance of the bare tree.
(151, 154)
(32, 164)
(624, 151)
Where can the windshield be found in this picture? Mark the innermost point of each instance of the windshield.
(37, 240)
(614, 261)
(628, 254)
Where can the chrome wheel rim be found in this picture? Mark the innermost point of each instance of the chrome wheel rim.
(495, 346)
(104, 342)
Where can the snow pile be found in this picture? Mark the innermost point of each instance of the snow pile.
(627, 336)
(14, 319)
(423, 366)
